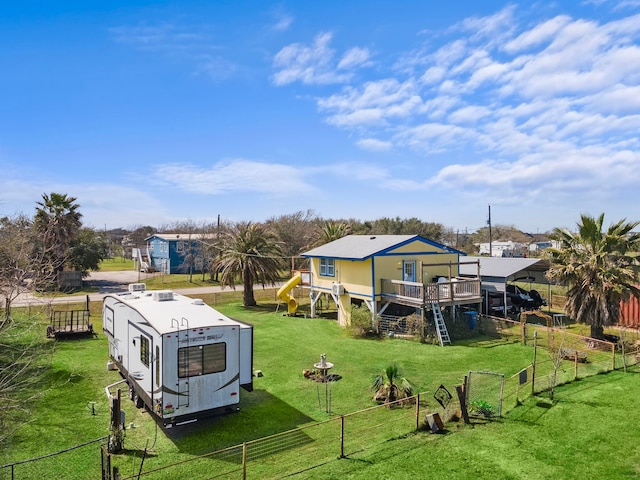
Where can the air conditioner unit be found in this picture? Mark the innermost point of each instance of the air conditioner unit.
(162, 296)
(137, 287)
(337, 288)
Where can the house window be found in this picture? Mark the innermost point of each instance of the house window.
(144, 350)
(202, 359)
(327, 267)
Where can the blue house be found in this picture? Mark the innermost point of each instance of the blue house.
(177, 252)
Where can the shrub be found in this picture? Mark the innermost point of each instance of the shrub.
(360, 325)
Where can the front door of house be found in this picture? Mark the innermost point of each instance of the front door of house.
(409, 271)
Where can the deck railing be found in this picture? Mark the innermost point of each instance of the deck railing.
(457, 289)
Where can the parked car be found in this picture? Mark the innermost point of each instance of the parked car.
(496, 304)
(523, 299)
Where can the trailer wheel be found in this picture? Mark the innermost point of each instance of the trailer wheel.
(137, 401)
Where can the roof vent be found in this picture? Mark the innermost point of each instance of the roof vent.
(162, 296)
(197, 301)
(372, 238)
(137, 287)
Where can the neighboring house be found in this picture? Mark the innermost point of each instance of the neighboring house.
(503, 249)
(537, 247)
(387, 271)
(177, 252)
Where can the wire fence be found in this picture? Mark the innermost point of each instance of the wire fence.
(558, 357)
(561, 356)
(305, 448)
(81, 461)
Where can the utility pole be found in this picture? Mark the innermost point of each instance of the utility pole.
(217, 244)
(490, 240)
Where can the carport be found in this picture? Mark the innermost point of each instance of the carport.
(496, 272)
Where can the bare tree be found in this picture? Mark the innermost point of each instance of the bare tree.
(22, 267)
(296, 233)
(20, 270)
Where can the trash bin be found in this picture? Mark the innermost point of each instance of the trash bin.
(472, 318)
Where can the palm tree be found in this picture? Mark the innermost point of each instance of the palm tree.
(599, 268)
(249, 251)
(390, 387)
(333, 231)
(58, 222)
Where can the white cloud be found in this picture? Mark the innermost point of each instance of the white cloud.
(193, 43)
(433, 75)
(354, 57)
(469, 114)
(374, 103)
(236, 175)
(553, 105)
(537, 35)
(375, 145)
(283, 22)
(315, 64)
(493, 29)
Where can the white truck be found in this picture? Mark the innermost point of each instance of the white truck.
(181, 358)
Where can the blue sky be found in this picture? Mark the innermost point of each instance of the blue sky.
(155, 112)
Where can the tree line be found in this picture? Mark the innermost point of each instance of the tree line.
(599, 266)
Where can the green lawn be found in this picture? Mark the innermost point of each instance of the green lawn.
(116, 264)
(528, 443)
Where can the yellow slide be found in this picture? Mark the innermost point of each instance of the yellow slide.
(283, 293)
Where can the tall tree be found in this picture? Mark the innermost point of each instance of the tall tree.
(295, 232)
(249, 251)
(21, 268)
(58, 222)
(399, 226)
(87, 250)
(599, 267)
(331, 231)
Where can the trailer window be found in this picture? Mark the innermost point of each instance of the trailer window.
(157, 366)
(202, 359)
(144, 350)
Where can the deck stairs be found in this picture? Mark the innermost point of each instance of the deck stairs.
(144, 259)
(441, 327)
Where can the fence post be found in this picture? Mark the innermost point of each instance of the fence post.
(341, 436)
(613, 356)
(417, 411)
(460, 390)
(575, 365)
(244, 461)
(533, 366)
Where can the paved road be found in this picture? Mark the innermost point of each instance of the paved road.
(110, 282)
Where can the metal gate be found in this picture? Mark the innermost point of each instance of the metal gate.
(484, 393)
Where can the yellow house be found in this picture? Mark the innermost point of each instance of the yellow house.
(382, 271)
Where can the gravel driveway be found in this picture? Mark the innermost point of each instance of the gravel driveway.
(108, 282)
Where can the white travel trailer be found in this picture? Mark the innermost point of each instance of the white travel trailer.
(180, 357)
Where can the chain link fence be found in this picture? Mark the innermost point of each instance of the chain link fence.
(484, 394)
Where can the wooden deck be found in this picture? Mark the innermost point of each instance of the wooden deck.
(457, 291)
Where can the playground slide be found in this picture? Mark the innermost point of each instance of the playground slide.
(283, 293)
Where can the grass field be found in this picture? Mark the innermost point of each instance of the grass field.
(584, 429)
